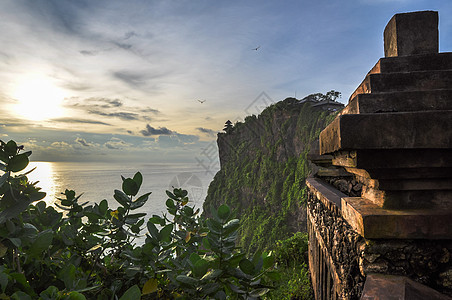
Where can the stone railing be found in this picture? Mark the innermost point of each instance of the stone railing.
(380, 207)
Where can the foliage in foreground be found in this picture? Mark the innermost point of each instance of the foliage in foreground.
(88, 252)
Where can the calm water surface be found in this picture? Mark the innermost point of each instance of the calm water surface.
(97, 181)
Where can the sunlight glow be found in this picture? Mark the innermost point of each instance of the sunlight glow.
(38, 99)
(45, 176)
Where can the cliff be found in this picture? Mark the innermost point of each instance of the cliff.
(263, 168)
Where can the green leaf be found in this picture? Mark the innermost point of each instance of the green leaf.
(20, 278)
(140, 201)
(259, 292)
(246, 266)
(3, 281)
(206, 244)
(171, 195)
(170, 203)
(136, 216)
(224, 212)
(231, 226)
(153, 230)
(269, 260)
(76, 296)
(37, 196)
(194, 258)
(150, 286)
(16, 242)
(165, 233)
(121, 198)
(273, 275)
(14, 210)
(211, 275)
(50, 293)
(103, 207)
(70, 194)
(133, 293)
(18, 163)
(187, 280)
(67, 274)
(10, 148)
(157, 220)
(130, 187)
(42, 243)
(138, 178)
(19, 295)
(200, 268)
(220, 295)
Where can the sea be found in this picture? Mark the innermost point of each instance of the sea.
(97, 181)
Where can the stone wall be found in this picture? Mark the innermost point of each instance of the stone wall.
(334, 246)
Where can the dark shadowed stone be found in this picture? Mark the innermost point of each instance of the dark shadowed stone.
(412, 33)
(390, 287)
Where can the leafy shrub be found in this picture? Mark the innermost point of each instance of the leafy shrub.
(291, 256)
(89, 251)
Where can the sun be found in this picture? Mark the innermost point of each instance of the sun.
(38, 99)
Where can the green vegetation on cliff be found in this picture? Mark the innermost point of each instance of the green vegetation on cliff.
(263, 168)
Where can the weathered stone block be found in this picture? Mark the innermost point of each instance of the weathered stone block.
(374, 222)
(398, 288)
(388, 131)
(411, 34)
(399, 102)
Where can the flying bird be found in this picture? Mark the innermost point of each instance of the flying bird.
(257, 48)
(201, 101)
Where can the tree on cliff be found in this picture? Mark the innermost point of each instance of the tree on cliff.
(332, 95)
(228, 126)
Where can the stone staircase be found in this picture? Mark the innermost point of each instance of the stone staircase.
(395, 137)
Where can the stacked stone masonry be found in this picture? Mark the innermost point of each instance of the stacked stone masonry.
(380, 212)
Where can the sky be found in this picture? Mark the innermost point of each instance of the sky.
(154, 81)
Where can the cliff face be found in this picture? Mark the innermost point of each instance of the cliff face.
(263, 167)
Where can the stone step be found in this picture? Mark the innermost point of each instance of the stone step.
(405, 81)
(404, 130)
(403, 173)
(386, 160)
(399, 102)
(425, 62)
(374, 222)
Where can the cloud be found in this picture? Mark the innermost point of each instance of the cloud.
(132, 79)
(88, 52)
(123, 45)
(151, 110)
(206, 131)
(155, 131)
(83, 121)
(121, 115)
(129, 34)
(116, 144)
(60, 145)
(83, 142)
(176, 140)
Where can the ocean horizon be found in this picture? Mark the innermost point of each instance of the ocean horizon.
(97, 181)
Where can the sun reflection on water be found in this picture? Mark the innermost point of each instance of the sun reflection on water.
(45, 175)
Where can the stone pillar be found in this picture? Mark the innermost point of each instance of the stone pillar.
(411, 34)
(395, 138)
